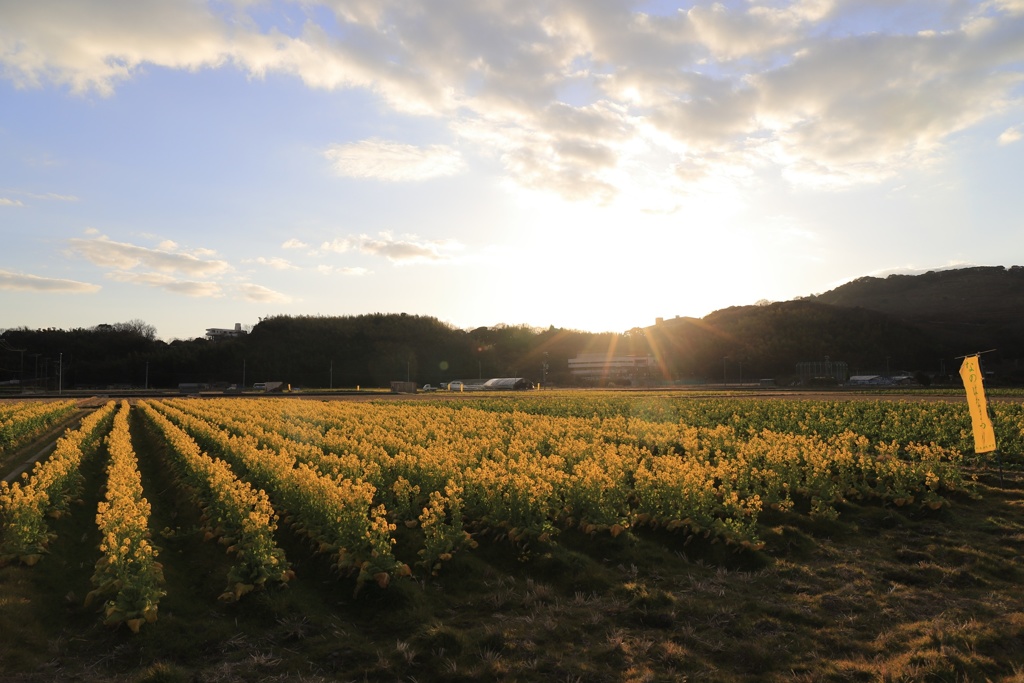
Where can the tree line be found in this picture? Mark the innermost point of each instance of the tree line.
(735, 344)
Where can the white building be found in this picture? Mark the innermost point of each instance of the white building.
(215, 333)
(601, 367)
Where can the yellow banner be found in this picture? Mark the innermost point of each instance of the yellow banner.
(984, 435)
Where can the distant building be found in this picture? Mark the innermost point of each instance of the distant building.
(599, 367)
(215, 333)
(400, 387)
(823, 372)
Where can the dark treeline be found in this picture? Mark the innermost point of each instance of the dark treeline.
(310, 351)
(916, 324)
(371, 350)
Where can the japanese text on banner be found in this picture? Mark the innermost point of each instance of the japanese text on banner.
(984, 435)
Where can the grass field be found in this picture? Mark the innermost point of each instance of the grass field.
(877, 592)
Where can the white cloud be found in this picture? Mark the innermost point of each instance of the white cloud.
(327, 269)
(53, 197)
(24, 282)
(861, 109)
(1011, 135)
(260, 294)
(276, 263)
(168, 283)
(582, 98)
(294, 244)
(121, 255)
(173, 270)
(95, 45)
(354, 272)
(393, 161)
(45, 196)
(406, 250)
(337, 245)
(401, 251)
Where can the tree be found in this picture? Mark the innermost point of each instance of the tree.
(136, 326)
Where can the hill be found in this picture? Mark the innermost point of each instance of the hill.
(749, 342)
(962, 310)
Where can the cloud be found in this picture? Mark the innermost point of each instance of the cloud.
(582, 99)
(393, 161)
(260, 294)
(172, 270)
(53, 197)
(1011, 135)
(338, 245)
(327, 269)
(46, 196)
(403, 251)
(123, 256)
(354, 272)
(832, 117)
(294, 244)
(23, 282)
(276, 263)
(168, 283)
(93, 46)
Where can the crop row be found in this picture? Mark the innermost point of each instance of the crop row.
(127, 576)
(947, 423)
(26, 504)
(336, 514)
(527, 475)
(346, 475)
(235, 513)
(24, 419)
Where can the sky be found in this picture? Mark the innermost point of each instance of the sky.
(587, 164)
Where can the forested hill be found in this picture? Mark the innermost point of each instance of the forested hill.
(961, 310)
(767, 341)
(917, 323)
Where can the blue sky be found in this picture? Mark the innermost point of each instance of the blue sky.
(587, 164)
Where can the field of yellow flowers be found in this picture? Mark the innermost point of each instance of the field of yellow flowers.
(384, 502)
